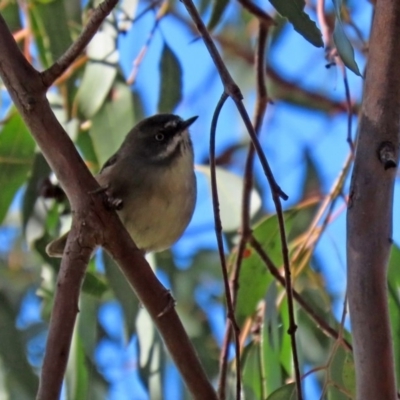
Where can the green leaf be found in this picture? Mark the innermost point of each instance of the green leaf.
(73, 9)
(94, 284)
(77, 376)
(287, 392)
(271, 341)
(123, 293)
(113, 121)
(16, 156)
(49, 24)
(85, 145)
(252, 378)
(342, 374)
(21, 381)
(99, 74)
(171, 81)
(217, 12)
(10, 13)
(230, 187)
(255, 278)
(349, 374)
(394, 303)
(293, 10)
(286, 355)
(343, 45)
(40, 171)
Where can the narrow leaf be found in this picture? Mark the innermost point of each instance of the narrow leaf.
(343, 45)
(217, 12)
(50, 28)
(171, 81)
(40, 170)
(123, 293)
(94, 284)
(293, 10)
(287, 392)
(99, 74)
(113, 121)
(77, 376)
(230, 188)
(10, 13)
(16, 156)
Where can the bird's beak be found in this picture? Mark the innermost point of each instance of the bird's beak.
(188, 122)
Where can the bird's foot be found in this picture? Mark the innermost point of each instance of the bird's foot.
(110, 202)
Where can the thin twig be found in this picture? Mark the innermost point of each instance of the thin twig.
(138, 60)
(261, 103)
(232, 89)
(257, 12)
(325, 327)
(284, 89)
(349, 106)
(97, 18)
(333, 193)
(218, 232)
(333, 56)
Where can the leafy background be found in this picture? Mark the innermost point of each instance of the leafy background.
(147, 58)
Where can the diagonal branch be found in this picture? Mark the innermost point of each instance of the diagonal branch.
(232, 89)
(261, 105)
(93, 225)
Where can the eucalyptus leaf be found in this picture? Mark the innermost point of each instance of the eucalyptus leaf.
(10, 13)
(254, 278)
(171, 81)
(113, 121)
(123, 293)
(99, 74)
(217, 13)
(343, 45)
(40, 171)
(77, 376)
(17, 149)
(286, 392)
(394, 303)
(293, 10)
(19, 374)
(342, 374)
(252, 377)
(271, 341)
(230, 187)
(94, 284)
(49, 24)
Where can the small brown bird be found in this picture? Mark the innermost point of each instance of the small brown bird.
(152, 178)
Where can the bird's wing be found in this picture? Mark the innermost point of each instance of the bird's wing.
(111, 161)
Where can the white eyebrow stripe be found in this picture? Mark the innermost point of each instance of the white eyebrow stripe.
(171, 124)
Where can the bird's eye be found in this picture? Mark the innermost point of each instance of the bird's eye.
(159, 137)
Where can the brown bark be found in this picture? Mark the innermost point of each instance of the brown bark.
(369, 218)
(93, 225)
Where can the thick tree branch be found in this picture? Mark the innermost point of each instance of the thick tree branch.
(369, 218)
(93, 225)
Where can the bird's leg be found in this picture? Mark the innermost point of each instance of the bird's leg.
(110, 202)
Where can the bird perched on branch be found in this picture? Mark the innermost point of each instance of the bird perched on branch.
(151, 182)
